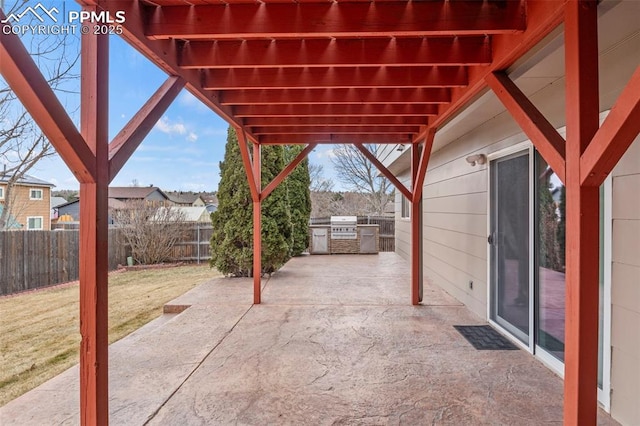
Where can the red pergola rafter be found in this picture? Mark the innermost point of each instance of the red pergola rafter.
(322, 19)
(343, 130)
(334, 77)
(382, 120)
(341, 110)
(323, 139)
(375, 95)
(306, 53)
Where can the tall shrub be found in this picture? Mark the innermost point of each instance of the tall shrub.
(277, 237)
(232, 239)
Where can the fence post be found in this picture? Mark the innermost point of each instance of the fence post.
(198, 251)
(24, 261)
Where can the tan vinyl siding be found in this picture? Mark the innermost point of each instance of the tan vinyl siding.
(625, 288)
(23, 207)
(455, 223)
(403, 225)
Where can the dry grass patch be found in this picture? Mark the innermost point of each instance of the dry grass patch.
(40, 334)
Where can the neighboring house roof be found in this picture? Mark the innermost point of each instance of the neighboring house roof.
(183, 198)
(26, 180)
(133, 192)
(209, 198)
(68, 203)
(13, 223)
(57, 201)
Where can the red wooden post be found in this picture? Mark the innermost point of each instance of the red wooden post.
(416, 232)
(582, 251)
(419, 163)
(94, 390)
(257, 228)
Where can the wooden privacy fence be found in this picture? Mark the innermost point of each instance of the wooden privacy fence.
(196, 244)
(34, 259)
(387, 228)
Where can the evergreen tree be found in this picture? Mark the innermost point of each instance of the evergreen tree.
(232, 239)
(277, 235)
(299, 182)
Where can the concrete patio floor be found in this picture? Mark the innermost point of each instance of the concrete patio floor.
(335, 341)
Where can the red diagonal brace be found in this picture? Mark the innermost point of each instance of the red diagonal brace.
(384, 171)
(27, 82)
(285, 172)
(422, 166)
(134, 132)
(248, 167)
(615, 135)
(542, 133)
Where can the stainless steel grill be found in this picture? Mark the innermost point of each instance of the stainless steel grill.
(344, 227)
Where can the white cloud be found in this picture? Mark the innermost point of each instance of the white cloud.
(166, 126)
(170, 127)
(323, 153)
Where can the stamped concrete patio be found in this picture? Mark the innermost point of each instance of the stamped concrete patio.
(335, 341)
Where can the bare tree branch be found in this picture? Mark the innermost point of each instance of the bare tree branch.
(22, 144)
(151, 230)
(360, 175)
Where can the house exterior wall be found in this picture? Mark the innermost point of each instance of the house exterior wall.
(403, 225)
(72, 209)
(455, 204)
(625, 288)
(23, 207)
(156, 196)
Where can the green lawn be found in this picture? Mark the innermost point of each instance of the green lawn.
(40, 334)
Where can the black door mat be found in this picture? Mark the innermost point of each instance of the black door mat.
(485, 338)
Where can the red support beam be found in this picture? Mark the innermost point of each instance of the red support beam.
(334, 139)
(254, 182)
(340, 110)
(542, 133)
(394, 180)
(27, 82)
(614, 137)
(94, 250)
(582, 216)
(301, 53)
(333, 121)
(344, 130)
(373, 95)
(418, 177)
(334, 77)
(330, 19)
(134, 132)
(287, 170)
(257, 227)
(416, 229)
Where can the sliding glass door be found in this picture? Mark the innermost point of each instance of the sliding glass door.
(509, 241)
(549, 272)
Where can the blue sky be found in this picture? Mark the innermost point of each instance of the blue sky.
(183, 150)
